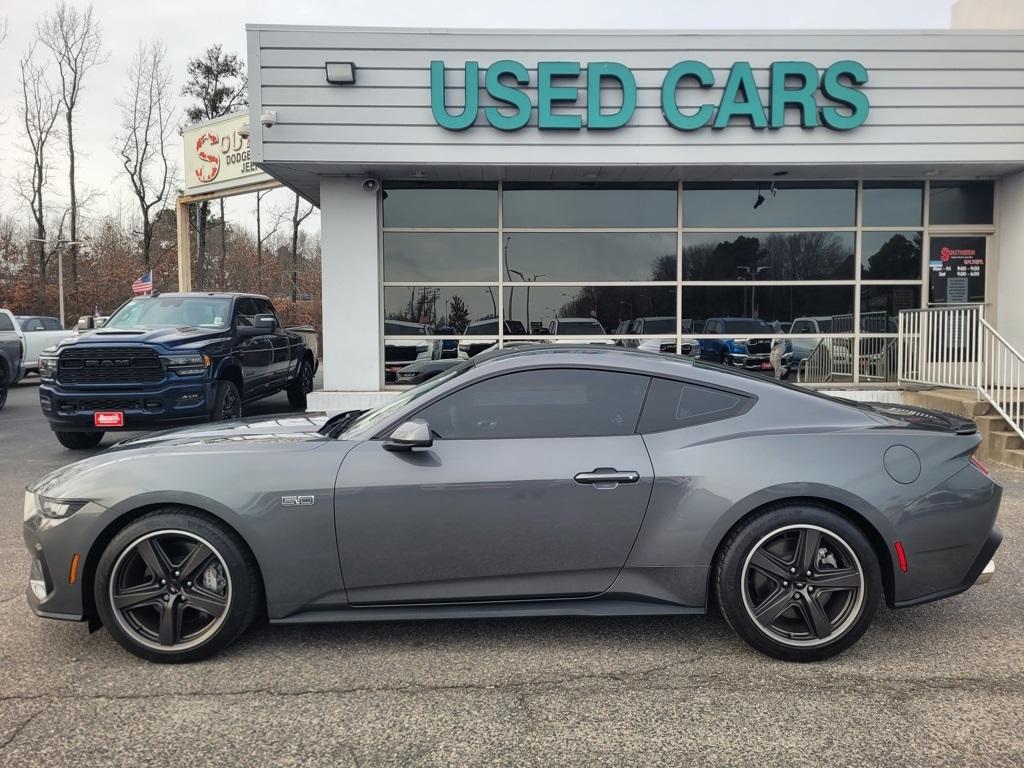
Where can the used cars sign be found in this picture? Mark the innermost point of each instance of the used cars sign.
(792, 84)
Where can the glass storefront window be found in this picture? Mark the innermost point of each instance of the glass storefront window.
(749, 204)
(438, 256)
(961, 202)
(585, 256)
(590, 310)
(890, 255)
(589, 206)
(768, 256)
(880, 306)
(771, 304)
(445, 206)
(891, 204)
(445, 310)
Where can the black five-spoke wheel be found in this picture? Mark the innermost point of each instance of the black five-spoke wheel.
(803, 584)
(798, 581)
(176, 585)
(170, 589)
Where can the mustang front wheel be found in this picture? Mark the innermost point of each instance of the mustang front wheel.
(176, 586)
(800, 583)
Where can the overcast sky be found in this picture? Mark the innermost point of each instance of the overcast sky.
(188, 28)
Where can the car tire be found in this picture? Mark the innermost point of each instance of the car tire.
(176, 586)
(79, 441)
(767, 598)
(227, 403)
(301, 386)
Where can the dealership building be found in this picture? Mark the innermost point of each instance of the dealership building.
(599, 186)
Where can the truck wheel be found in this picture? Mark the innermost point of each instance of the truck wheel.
(79, 441)
(228, 403)
(301, 386)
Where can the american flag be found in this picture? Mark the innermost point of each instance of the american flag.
(143, 284)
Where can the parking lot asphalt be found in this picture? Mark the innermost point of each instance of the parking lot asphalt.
(936, 685)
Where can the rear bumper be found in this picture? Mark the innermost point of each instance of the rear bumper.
(170, 405)
(979, 572)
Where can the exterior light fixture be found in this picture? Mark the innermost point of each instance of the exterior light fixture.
(340, 72)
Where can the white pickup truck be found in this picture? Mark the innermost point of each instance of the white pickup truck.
(37, 332)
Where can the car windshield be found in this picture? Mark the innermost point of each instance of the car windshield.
(173, 312)
(367, 423)
(579, 327)
(747, 326)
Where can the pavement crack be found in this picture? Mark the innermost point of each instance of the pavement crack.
(20, 727)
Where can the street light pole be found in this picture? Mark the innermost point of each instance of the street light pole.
(60, 268)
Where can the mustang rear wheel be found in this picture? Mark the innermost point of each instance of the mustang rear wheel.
(800, 583)
(176, 586)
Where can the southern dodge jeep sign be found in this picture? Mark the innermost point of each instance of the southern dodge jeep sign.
(217, 156)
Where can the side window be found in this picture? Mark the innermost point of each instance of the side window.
(244, 311)
(675, 404)
(51, 324)
(804, 326)
(5, 323)
(32, 324)
(541, 403)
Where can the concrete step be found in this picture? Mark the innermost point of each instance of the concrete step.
(963, 402)
(1013, 458)
(1000, 441)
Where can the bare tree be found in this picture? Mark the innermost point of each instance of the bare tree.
(75, 40)
(297, 219)
(262, 238)
(147, 125)
(38, 112)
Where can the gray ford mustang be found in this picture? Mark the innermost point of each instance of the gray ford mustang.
(544, 481)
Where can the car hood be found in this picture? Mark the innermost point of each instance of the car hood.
(300, 428)
(168, 337)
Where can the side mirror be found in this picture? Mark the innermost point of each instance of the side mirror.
(261, 326)
(85, 323)
(412, 434)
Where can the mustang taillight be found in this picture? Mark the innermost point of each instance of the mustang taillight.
(981, 467)
(901, 555)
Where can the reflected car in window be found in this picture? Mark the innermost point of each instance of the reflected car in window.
(400, 352)
(552, 480)
(471, 348)
(577, 326)
(750, 349)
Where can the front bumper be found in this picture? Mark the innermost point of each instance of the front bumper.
(757, 362)
(171, 404)
(54, 590)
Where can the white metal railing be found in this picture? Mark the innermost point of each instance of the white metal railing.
(956, 347)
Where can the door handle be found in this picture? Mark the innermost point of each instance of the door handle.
(603, 476)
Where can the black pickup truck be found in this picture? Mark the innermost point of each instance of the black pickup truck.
(172, 359)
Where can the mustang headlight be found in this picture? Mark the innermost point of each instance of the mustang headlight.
(47, 366)
(56, 509)
(186, 365)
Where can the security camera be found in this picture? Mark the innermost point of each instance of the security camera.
(243, 130)
(268, 119)
(371, 185)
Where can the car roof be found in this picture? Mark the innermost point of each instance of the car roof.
(214, 294)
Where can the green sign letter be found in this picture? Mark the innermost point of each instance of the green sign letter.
(700, 72)
(802, 97)
(597, 120)
(508, 94)
(845, 95)
(741, 79)
(442, 117)
(548, 93)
